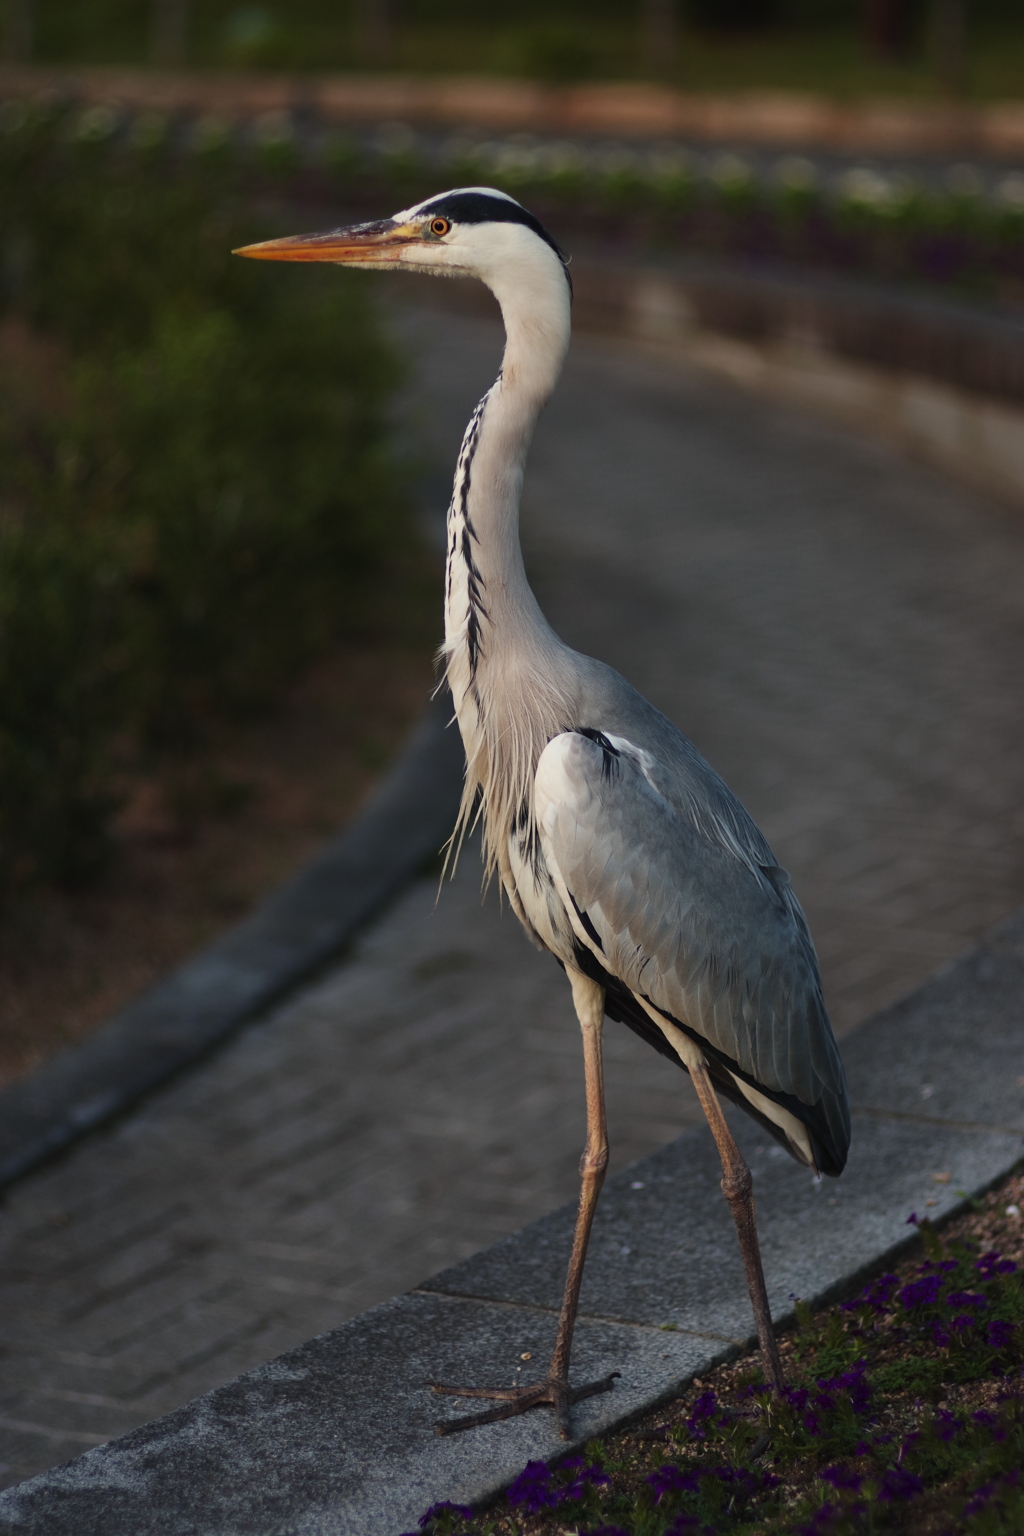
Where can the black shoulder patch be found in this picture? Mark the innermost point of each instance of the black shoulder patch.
(608, 752)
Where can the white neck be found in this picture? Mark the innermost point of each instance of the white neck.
(502, 658)
(489, 478)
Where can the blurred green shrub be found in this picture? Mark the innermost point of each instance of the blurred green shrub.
(195, 483)
(255, 39)
(558, 51)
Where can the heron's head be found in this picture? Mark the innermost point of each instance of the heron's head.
(468, 232)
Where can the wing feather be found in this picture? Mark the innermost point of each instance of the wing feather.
(683, 904)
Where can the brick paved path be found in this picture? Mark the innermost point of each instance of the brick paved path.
(841, 633)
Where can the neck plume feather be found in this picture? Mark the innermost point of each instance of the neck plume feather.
(511, 677)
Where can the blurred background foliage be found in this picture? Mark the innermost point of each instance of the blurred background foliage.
(195, 481)
(843, 46)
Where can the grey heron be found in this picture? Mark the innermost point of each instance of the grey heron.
(619, 848)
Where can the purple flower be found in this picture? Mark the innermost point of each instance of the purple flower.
(739, 1478)
(877, 1296)
(962, 1322)
(841, 1477)
(756, 1389)
(608, 1530)
(983, 1417)
(532, 1488)
(854, 1382)
(991, 1264)
(940, 1335)
(671, 1479)
(703, 1409)
(965, 1299)
(898, 1483)
(687, 1525)
(586, 1476)
(946, 1424)
(911, 1220)
(999, 1334)
(921, 1293)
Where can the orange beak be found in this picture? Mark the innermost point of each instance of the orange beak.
(376, 244)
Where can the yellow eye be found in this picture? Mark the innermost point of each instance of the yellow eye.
(440, 226)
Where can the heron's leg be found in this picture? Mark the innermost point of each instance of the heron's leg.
(555, 1390)
(589, 1000)
(737, 1187)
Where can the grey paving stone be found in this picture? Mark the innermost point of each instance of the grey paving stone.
(973, 1069)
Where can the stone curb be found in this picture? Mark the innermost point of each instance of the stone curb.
(336, 1437)
(295, 930)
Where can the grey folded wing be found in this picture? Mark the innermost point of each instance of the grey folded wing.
(675, 894)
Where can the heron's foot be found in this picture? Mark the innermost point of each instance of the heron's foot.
(554, 1393)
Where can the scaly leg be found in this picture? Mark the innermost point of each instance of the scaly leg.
(555, 1390)
(737, 1187)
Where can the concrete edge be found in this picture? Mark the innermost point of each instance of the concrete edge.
(296, 929)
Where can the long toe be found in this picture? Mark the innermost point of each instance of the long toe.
(554, 1393)
(512, 1401)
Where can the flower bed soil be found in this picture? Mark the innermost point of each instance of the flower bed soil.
(904, 1411)
(194, 851)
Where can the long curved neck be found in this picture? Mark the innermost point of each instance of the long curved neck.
(505, 665)
(489, 604)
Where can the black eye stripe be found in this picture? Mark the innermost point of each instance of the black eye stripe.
(478, 208)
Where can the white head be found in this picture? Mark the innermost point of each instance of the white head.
(467, 232)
